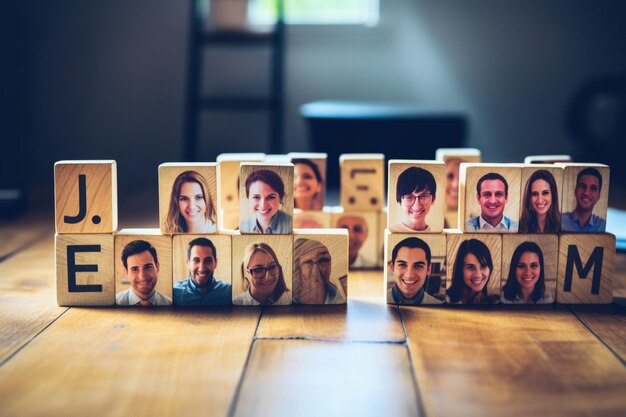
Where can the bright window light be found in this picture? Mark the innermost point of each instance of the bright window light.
(306, 12)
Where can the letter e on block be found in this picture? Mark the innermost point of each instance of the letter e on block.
(586, 267)
(85, 194)
(84, 269)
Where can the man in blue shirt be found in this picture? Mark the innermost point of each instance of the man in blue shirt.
(202, 288)
(582, 219)
(492, 193)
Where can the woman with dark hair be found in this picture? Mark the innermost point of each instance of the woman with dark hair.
(265, 192)
(471, 273)
(307, 185)
(191, 208)
(263, 278)
(526, 282)
(540, 207)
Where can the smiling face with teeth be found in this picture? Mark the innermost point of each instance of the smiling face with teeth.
(492, 200)
(528, 270)
(541, 197)
(191, 204)
(306, 186)
(202, 263)
(410, 270)
(264, 201)
(142, 271)
(587, 192)
(475, 274)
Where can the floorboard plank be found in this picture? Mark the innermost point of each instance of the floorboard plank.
(608, 323)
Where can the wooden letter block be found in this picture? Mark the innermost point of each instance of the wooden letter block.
(85, 196)
(202, 263)
(453, 158)
(473, 268)
(529, 268)
(586, 267)
(309, 180)
(310, 219)
(262, 269)
(362, 228)
(188, 198)
(320, 266)
(490, 197)
(540, 201)
(585, 197)
(266, 195)
(84, 269)
(362, 181)
(146, 278)
(229, 177)
(415, 268)
(416, 196)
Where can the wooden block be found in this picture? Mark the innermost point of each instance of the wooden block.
(309, 180)
(204, 263)
(311, 219)
(453, 158)
(188, 198)
(529, 266)
(362, 232)
(228, 219)
(426, 277)
(266, 195)
(494, 208)
(85, 270)
(540, 202)
(477, 259)
(586, 268)
(144, 277)
(362, 181)
(416, 180)
(546, 159)
(320, 266)
(228, 167)
(585, 197)
(85, 194)
(380, 236)
(262, 251)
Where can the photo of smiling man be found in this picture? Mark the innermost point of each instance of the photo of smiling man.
(587, 193)
(492, 195)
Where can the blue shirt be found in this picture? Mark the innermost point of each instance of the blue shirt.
(187, 293)
(570, 223)
(281, 224)
(477, 223)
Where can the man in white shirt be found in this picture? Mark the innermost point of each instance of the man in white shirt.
(492, 193)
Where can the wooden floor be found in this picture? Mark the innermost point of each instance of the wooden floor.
(363, 359)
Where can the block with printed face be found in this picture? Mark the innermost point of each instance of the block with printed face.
(143, 268)
(320, 266)
(266, 196)
(415, 268)
(228, 167)
(541, 188)
(85, 269)
(85, 194)
(363, 252)
(453, 157)
(309, 180)
(586, 268)
(473, 268)
(188, 198)
(585, 197)
(262, 268)
(415, 196)
(311, 219)
(490, 197)
(362, 181)
(202, 270)
(529, 268)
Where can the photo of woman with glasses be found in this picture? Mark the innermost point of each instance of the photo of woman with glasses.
(416, 189)
(263, 279)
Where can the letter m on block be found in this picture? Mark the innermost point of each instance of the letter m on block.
(594, 261)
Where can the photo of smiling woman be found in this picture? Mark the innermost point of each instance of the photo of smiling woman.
(265, 194)
(191, 208)
(307, 185)
(540, 208)
(470, 277)
(263, 279)
(526, 283)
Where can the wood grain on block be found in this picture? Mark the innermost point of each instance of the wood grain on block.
(85, 195)
(473, 268)
(228, 167)
(309, 181)
(270, 259)
(546, 159)
(411, 273)
(528, 260)
(188, 198)
(380, 236)
(320, 266)
(267, 201)
(586, 268)
(497, 202)
(424, 183)
(85, 269)
(228, 219)
(311, 219)
(145, 275)
(542, 191)
(362, 181)
(363, 250)
(585, 200)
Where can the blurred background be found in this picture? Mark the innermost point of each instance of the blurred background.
(145, 82)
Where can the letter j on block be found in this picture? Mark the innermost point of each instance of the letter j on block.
(85, 196)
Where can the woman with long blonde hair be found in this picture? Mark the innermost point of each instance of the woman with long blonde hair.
(262, 277)
(191, 208)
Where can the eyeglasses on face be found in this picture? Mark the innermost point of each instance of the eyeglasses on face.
(409, 199)
(322, 263)
(260, 271)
